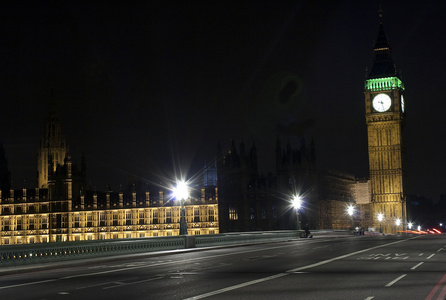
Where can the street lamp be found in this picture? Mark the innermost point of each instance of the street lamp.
(350, 212)
(410, 225)
(297, 202)
(397, 223)
(380, 218)
(181, 193)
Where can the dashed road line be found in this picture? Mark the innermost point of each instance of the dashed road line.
(395, 280)
(119, 284)
(417, 265)
(292, 271)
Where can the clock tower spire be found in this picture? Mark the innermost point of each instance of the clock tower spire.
(384, 105)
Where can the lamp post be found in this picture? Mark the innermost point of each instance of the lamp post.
(297, 202)
(181, 193)
(410, 225)
(380, 218)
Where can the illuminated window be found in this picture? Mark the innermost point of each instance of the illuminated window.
(196, 214)
(233, 214)
(6, 224)
(128, 217)
(211, 214)
(44, 222)
(141, 217)
(155, 217)
(102, 218)
(89, 220)
(76, 220)
(115, 218)
(168, 216)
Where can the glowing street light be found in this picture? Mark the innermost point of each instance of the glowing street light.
(410, 225)
(380, 218)
(397, 223)
(350, 212)
(297, 203)
(181, 193)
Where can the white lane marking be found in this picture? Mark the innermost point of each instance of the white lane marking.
(395, 280)
(421, 254)
(416, 266)
(93, 285)
(119, 284)
(341, 257)
(430, 256)
(369, 298)
(441, 249)
(25, 284)
(296, 270)
(237, 286)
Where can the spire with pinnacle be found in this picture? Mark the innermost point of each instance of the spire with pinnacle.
(53, 149)
(383, 65)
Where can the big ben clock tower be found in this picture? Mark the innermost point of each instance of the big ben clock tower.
(384, 104)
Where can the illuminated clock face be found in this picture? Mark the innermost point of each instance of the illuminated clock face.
(382, 102)
(402, 103)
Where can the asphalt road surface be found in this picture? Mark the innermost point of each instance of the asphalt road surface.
(362, 267)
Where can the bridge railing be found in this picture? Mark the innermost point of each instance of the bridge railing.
(38, 253)
(11, 255)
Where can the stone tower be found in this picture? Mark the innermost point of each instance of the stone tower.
(53, 149)
(384, 105)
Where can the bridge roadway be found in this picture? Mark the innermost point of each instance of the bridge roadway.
(349, 267)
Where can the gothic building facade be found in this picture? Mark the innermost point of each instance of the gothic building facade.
(252, 201)
(62, 209)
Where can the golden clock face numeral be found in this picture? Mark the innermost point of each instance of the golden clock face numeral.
(381, 102)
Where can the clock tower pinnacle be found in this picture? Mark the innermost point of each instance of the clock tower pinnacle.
(384, 105)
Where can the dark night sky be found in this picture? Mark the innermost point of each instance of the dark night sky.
(147, 88)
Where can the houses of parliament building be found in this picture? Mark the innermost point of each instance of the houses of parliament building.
(61, 208)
